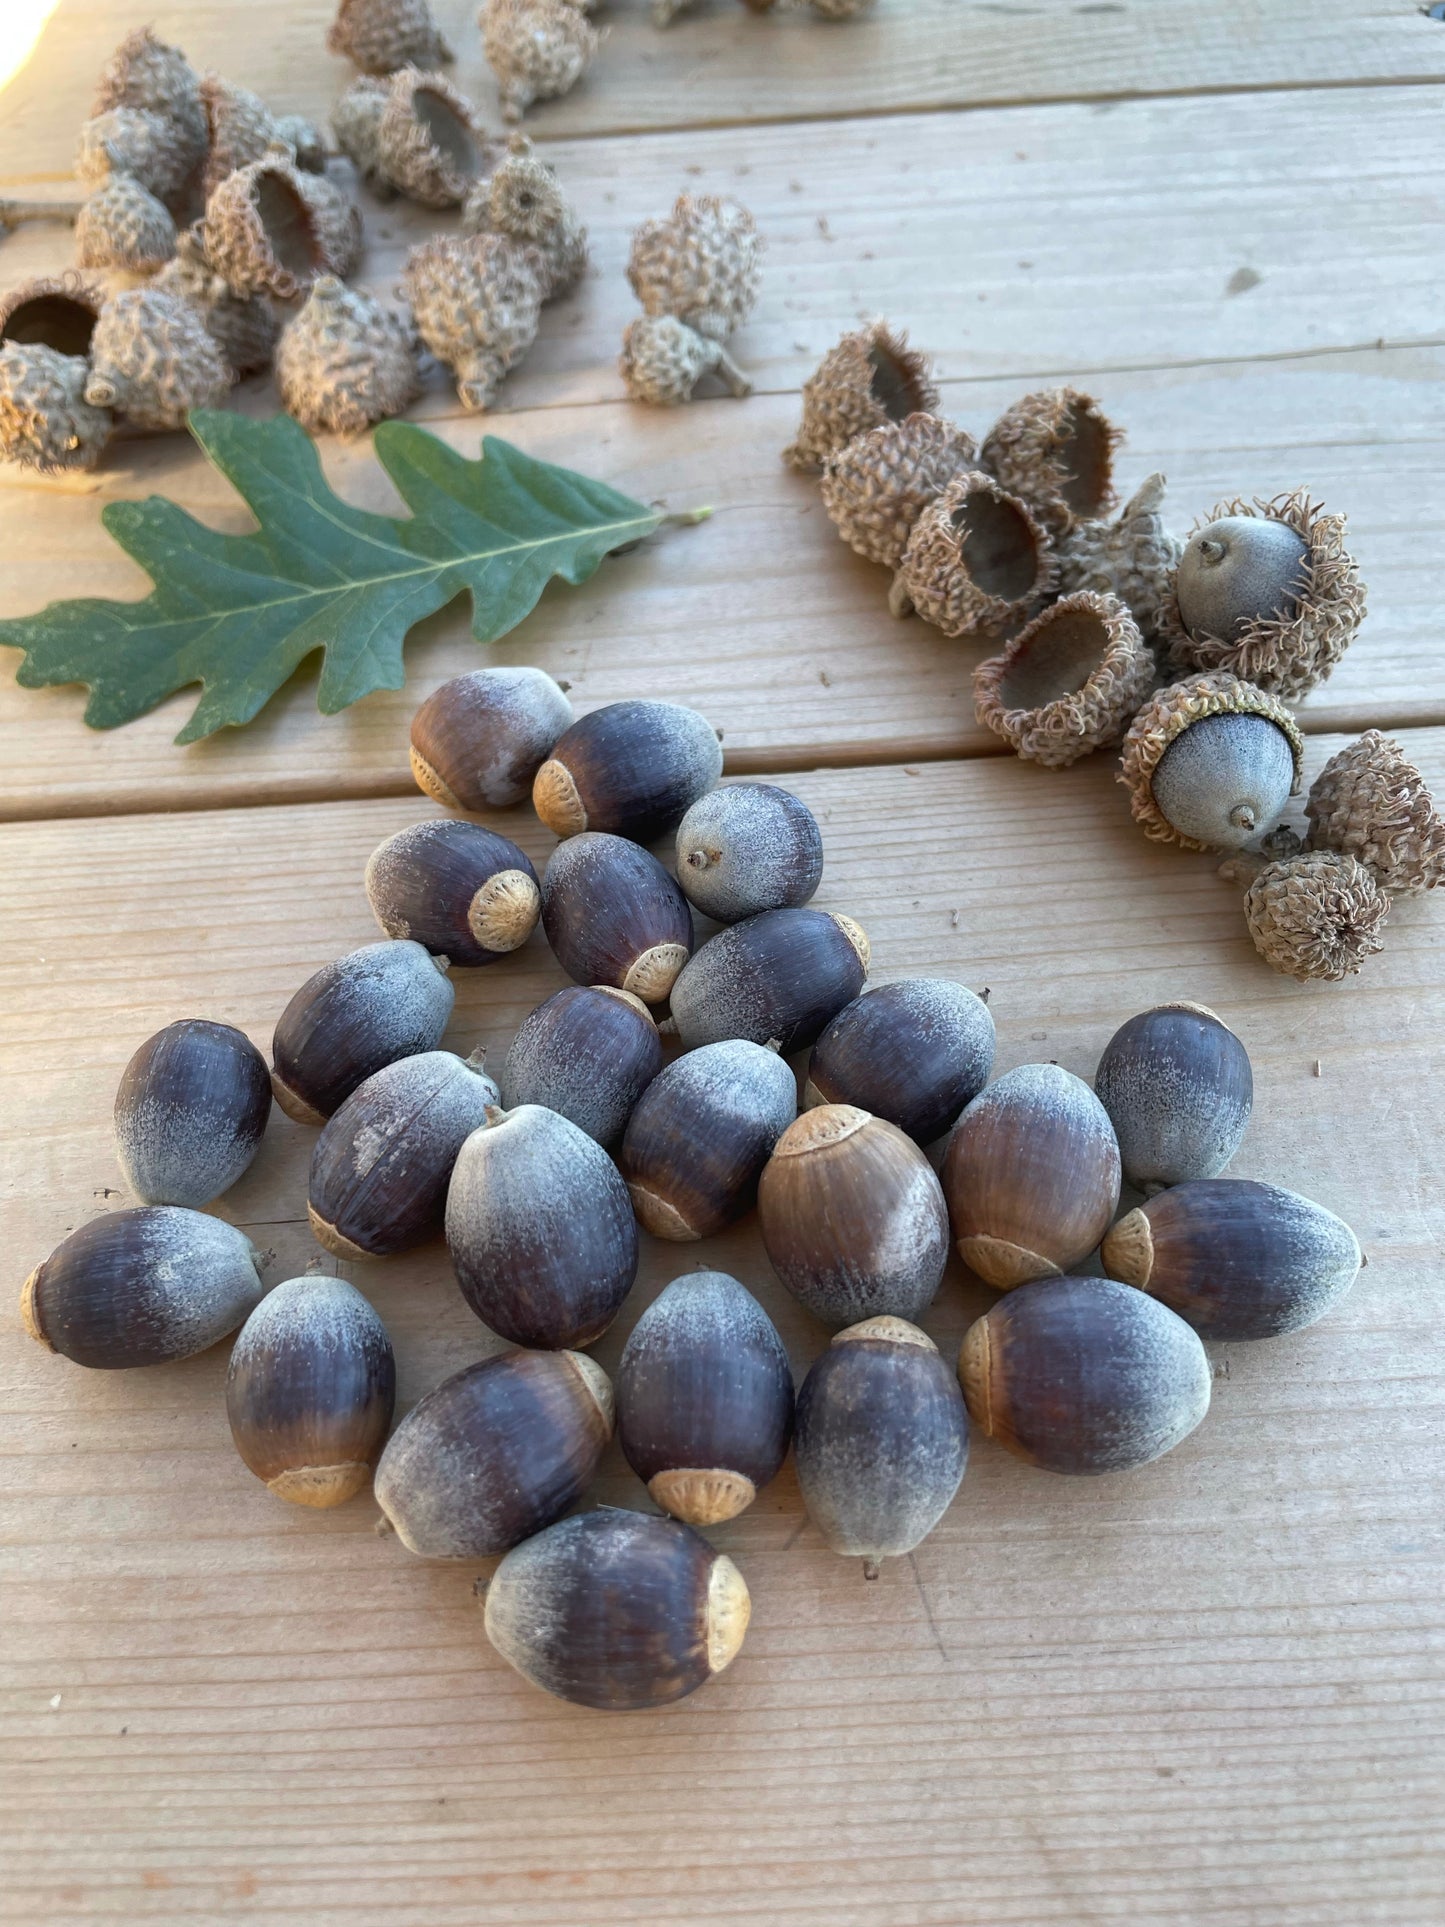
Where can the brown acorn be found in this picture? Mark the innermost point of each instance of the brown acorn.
(1069, 682)
(747, 848)
(630, 768)
(463, 891)
(914, 1052)
(586, 1053)
(614, 916)
(876, 487)
(776, 978)
(190, 1112)
(870, 377)
(496, 1453)
(978, 561)
(1370, 802)
(1055, 448)
(478, 741)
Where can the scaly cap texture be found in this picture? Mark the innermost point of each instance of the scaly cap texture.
(837, 9)
(536, 48)
(344, 361)
(702, 263)
(1134, 557)
(152, 360)
(1316, 915)
(269, 228)
(978, 561)
(1288, 655)
(870, 377)
(1068, 682)
(123, 225)
(243, 327)
(477, 301)
(1171, 711)
(524, 200)
(305, 139)
(1369, 801)
(356, 123)
(242, 127)
(57, 311)
(382, 35)
(149, 73)
(876, 488)
(429, 142)
(134, 141)
(663, 360)
(45, 420)
(1056, 449)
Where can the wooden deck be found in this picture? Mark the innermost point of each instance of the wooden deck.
(1206, 1695)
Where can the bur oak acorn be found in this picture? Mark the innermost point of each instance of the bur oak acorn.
(351, 1019)
(1239, 570)
(540, 1229)
(1234, 1258)
(1178, 1088)
(190, 1112)
(704, 1398)
(617, 1610)
(1075, 1376)
(700, 1134)
(913, 1052)
(381, 1166)
(588, 1054)
(497, 1452)
(142, 1287)
(478, 741)
(853, 1217)
(747, 848)
(463, 891)
(614, 916)
(1031, 1175)
(776, 978)
(630, 768)
(310, 1390)
(881, 1440)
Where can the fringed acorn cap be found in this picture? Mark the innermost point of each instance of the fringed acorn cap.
(977, 563)
(1280, 612)
(876, 488)
(356, 123)
(152, 360)
(149, 73)
(1166, 717)
(663, 360)
(429, 142)
(1316, 915)
(271, 228)
(242, 127)
(306, 141)
(45, 421)
(123, 225)
(477, 300)
(870, 377)
(538, 49)
(1370, 802)
(523, 199)
(344, 361)
(243, 327)
(1055, 448)
(134, 141)
(381, 35)
(1069, 682)
(702, 263)
(1133, 558)
(53, 311)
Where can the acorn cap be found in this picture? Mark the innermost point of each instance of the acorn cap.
(134, 141)
(876, 488)
(870, 377)
(382, 35)
(663, 360)
(344, 361)
(152, 360)
(241, 127)
(978, 560)
(1369, 801)
(45, 421)
(243, 327)
(536, 48)
(702, 263)
(1055, 448)
(270, 228)
(305, 139)
(477, 300)
(1133, 557)
(523, 200)
(1069, 682)
(356, 123)
(123, 225)
(1288, 653)
(148, 73)
(429, 142)
(54, 311)
(1316, 915)
(1171, 712)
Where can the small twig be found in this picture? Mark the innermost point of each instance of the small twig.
(12, 212)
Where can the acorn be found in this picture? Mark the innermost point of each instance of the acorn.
(381, 35)
(613, 916)
(1317, 915)
(541, 1231)
(747, 848)
(977, 563)
(913, 1052)
(853, 1217)
(630, 768)
(123, 225)
(586, 1053)
(152, 360)
(427, 142)
(876, 487)
(477, 300)
(1056, 449)
(1075, 1375)
(381, 1166)
(777, 978)
(52, 311)
(496, 1453)
(704, 1398)
(617, 1610)
(344, 361)
(241, 128)
(870, 377)
(142, 1287)
(190, 1112)
(1031, 1176)
(1069, 682)
(1235, 1259)
(663, 360)
(701, 263)
(1178, 1088)
(522, 200)
(881, 1441)
(465, 892)
(244, 328)
(478, 741)
(538, 49)
(700, 1134)
(137, 142)
(149, 74)
(1133, 557)
(351, 1019)
(45, 421)
(1210, 763)
(1267, 591)
(310, 1390)
(271, 228)
(1370, 802)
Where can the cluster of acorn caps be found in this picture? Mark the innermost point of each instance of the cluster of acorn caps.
(1110, 631)
(541, 1180)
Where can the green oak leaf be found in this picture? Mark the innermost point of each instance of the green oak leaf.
(239, 613)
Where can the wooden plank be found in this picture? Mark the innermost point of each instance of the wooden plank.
(721, 64)
(1205, 1695)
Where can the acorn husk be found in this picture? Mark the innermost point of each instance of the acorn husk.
(1085, 715)
(1167, 715)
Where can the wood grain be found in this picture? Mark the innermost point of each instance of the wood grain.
(1207, 1693)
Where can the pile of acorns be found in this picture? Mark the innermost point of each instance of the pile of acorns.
(1007, 541)
(540, 1184)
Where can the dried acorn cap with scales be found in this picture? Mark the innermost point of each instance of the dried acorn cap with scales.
(148, 73)
(1056, 449)
(701, 263)
(876, 487)
(1068, 682)
(243, 327)
(870, 377)
(242, 128)
(270, 228)
(45, 421)
(52, 311)
(1370, 802)
(152, 360)
(123, 225)
(1315, 915)
(414, 134)
(131, 140)
(477, 301)
(663, 360)
(381, 35)
(1232, 789)
(538, 49)
(1133, 557)
(978, 561)
(344, 361)
(523, 200)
